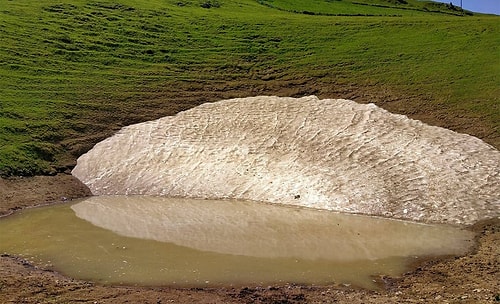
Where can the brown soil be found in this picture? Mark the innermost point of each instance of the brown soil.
(473, 278)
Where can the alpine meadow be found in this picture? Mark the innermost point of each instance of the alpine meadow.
(73, 72)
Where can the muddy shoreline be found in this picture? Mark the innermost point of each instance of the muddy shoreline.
(473, 278)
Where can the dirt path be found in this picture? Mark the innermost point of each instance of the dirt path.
(473, 278)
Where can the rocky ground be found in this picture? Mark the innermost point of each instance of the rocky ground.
(473, 278)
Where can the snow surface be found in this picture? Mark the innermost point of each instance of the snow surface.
(327, 154)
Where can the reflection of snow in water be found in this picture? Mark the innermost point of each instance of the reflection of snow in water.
(268, 230)
(332, 154)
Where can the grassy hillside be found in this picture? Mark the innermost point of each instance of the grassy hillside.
(366, 7)
(73, 72)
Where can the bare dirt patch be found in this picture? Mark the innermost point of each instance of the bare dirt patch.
(21, 192)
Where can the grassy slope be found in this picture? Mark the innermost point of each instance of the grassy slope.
(365, 7)
(69, 68)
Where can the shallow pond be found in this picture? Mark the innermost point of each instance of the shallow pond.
(186, 242)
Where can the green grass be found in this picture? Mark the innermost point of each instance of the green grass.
(73, 71)
(365, 7)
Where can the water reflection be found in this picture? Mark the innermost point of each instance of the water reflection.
(267, 230)
(183, 242)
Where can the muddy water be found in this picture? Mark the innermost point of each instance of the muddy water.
(186, 242)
